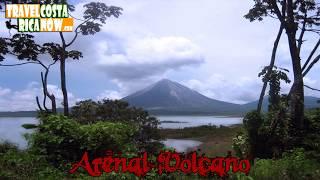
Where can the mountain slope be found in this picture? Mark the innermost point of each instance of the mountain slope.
(166, 97)
(309, 101)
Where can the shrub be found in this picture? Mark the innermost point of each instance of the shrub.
(267, 135)
(293, 165)
(16, 164)
(63, 140)
(240, 145)
(252, 123)
(311, 141)
(147, 137)
(6, 146)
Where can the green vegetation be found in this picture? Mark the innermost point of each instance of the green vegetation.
(17, 164)
(147, 135)
(215, 141)
(198, 132)
(276, 153)
(35, 164)
(94, 127)
(59, 141)
(295, 165)
(62, 140)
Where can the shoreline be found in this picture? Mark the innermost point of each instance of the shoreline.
(215, 141)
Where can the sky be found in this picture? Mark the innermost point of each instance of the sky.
(205, 45)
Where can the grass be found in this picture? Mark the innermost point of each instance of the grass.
(216, 141)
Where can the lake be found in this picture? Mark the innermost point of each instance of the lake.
(11, 130)
(177, 122)
(181, 145)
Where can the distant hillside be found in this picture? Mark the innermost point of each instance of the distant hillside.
(168, 97)
(19, 114)
(309, 101)
(23, 113)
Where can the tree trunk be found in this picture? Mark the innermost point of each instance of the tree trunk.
(46, 93)
(63, 76)
(50, 96)
(64, 86)
(273, 58)
(53, 103)
(297, 93)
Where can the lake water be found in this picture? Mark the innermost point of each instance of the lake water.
(176, 122)
(11, 130)
(181, 145)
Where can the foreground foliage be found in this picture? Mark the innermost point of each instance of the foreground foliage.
(17, 164)
(277, 157)
(147, 135)
(294, 165)
(59, 140)
(62, 140)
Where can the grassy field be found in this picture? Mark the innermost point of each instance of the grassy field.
(217, 141)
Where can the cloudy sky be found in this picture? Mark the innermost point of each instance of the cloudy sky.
(203, 44)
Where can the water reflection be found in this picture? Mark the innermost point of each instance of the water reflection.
(181, 145)
(11, 130)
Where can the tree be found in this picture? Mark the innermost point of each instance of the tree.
(269, 70)
(94, 16)
(90, 112)
(274, 78)
(26, 49)
(297, 18)
(55, 51)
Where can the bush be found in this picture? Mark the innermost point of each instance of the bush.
(15, 164)
(6, 146)
(293, 165)
(252, 123)
(266, 134)
(147, 137)
(63, 140)
(240, 145)
(311, 141)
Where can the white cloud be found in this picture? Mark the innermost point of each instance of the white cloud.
(25, 99)
(109, 94)
(240, 90)
(4, 91)
(149, 56)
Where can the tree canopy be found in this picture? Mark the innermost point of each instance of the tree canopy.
(90, 112)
